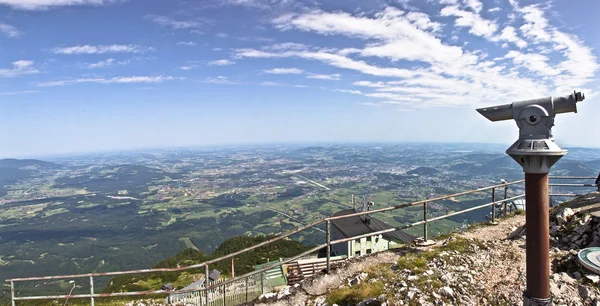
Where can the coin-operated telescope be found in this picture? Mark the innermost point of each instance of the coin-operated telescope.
(536, 152)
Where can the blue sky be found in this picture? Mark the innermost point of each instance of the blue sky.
(102, 75)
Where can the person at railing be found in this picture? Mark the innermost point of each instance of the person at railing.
(598, 181)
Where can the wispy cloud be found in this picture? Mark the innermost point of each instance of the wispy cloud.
(350, 91)
(12, 93)
(331, 77)
(270, 84)
(20, 67)
(435, 70)
(9, 30)
(472, 20)
(188, 67)
(45, 4)
(221, 62)
(300, 86)
(220, 80)
(284, 71)
(101, 49)
(177, 24)
(114, 80)
(106, 63)
(186, 43)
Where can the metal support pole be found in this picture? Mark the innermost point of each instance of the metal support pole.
(233, 267)
(262, 284)
(505, 195)
(493, 206)
(12, 293)
(92, 290)
(425, 236)
(246, 290)
(537, 225)
(328, 234)
(224, 302)
(206, 284)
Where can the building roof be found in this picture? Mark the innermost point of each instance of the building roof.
(354, 226)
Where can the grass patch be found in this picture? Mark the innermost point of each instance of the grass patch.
(354, 294)
(417, 261)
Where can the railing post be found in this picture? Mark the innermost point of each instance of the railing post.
(12, 293)
(505, 195)
(328, 233)
(493, 205)
(425, 235)
(206, 284)
(92, 290)
(246, 289)
(224, 301)
(233, 267)
(262, 284)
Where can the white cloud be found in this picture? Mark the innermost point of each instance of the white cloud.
(370, 84)
(476, 24)
(100, 49)
(284, 71)
(106, 63)
(100, 64)
(176, 24)
(12, 93)
(393, 29)
(220, 80)
(300, 86)
(495, 9)
(9, 30)
(188, 67)
(114, 80)
(45, 4)
(222, 35)
(186, 43)
(331, 59)
(221, 62)
(330, 77)
(420, 66)
(287, 46)
(475, 5)
(20, 67)
(509, 34)
(535, 24)
(535, 62)
(356, 92)
(269, 84)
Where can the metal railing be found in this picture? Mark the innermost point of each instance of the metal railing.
(214, 287)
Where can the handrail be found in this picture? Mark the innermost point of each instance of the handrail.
(287, 234)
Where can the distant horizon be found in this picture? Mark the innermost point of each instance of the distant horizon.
(250, 145)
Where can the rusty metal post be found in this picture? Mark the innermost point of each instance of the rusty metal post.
(425, 235)
(92, 290)
(328, 238)
(538, 239)
(233, 267)
(206, 272)
(12, 293)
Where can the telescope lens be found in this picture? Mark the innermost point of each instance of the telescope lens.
(532, 118)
